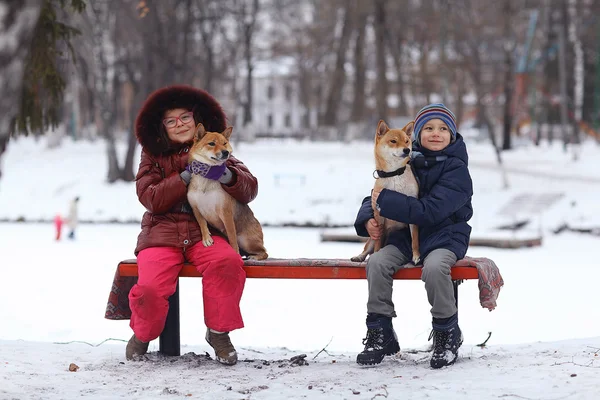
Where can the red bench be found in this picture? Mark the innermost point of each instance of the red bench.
(273, 268)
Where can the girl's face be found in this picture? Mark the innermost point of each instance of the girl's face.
(435, 135)
(179, 124)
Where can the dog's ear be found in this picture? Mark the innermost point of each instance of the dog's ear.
(382, 128)
(199, 133)
(409, 128)
(227, 132)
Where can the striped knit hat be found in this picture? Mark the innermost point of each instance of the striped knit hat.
(433, 111)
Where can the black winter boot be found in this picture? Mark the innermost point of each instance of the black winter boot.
(381, 340)
(447, 338)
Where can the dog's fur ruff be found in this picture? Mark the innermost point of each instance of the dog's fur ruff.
(392, 152)
(213, 205)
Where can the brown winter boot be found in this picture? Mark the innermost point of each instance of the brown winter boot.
(224, 350)
(135, 347)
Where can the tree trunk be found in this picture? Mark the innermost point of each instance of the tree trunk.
(249, 70)
(99, 12)
(127, 173)
(508, 78)
(461, 89)
(542, 109)
(358, 102)
(562, 78)
(423, 66)
(381, 84)
(578, 69)
(249, 24)
(394, 44)
(338, 79)
(16, 30)
(482, 113)
(445, 9)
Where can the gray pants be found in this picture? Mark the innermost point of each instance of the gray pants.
(381, 266)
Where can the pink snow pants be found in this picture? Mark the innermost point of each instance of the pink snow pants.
(223, 280)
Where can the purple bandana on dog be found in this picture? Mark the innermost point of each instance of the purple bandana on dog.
(213, 172)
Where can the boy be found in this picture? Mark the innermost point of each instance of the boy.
(441, 212)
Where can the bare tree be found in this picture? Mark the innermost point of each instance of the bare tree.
(246, 12)
(18, 20)
(509, 76)
(381, 84)
(338, 78)
(578, 67)
(359, 95)
(102, 22)
(469, 47)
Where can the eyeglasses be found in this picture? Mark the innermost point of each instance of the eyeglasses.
(185, 118)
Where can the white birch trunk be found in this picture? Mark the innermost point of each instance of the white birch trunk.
(579, 73)
(579, 67)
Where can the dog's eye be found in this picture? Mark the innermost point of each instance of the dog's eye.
(224, 143)
(393, 141)
(211, 144)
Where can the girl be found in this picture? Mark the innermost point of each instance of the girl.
(170, 235)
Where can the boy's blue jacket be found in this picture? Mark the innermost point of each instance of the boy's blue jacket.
(441, 211)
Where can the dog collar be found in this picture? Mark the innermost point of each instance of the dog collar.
(383, 174)
(213, 172)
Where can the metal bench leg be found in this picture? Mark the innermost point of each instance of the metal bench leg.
(169, 338)
(455, 284)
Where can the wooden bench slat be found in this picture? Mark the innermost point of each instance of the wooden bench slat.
(286, 271)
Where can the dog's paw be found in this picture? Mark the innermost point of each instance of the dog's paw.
(359, 258)
(258, 257)
(208, 241)
(416, 258)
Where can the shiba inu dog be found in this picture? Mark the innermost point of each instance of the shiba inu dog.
(392, 154)
(213, 205)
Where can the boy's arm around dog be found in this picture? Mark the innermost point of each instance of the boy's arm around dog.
(450, 193)
(365, 213)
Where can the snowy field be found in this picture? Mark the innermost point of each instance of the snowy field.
(301, 183)
(545, 332)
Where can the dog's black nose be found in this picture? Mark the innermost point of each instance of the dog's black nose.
(406, 150)
(224, 154)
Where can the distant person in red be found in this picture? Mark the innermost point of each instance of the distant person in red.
(58, 222)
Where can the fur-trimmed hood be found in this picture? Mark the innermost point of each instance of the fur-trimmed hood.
(148, 124)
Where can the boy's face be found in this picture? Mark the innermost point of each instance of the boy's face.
(435, 135)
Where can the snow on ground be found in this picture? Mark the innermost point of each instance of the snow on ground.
(545, 329)
(558, 370)
(545, 332)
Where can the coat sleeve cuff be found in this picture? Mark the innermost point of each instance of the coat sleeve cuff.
(186, 176)
(227, 177)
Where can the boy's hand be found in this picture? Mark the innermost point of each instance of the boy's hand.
(375, 230)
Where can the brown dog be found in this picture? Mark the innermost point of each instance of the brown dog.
(393, 172)
(213, 205)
